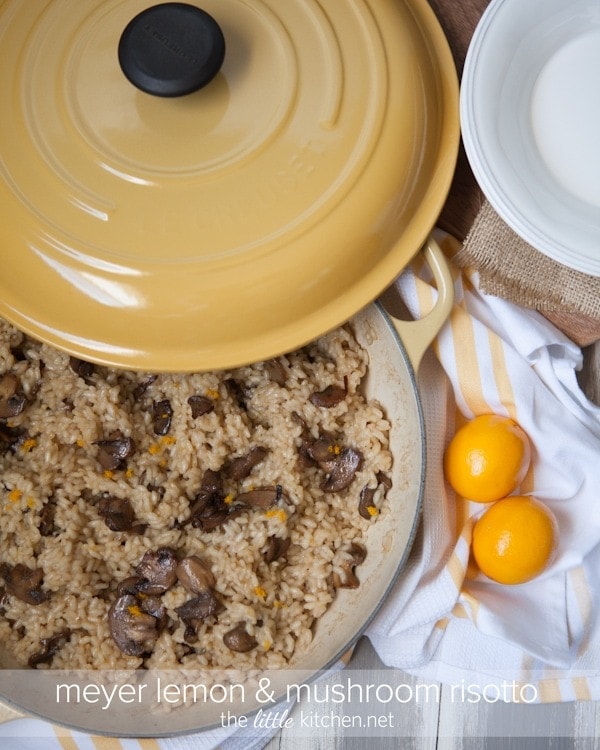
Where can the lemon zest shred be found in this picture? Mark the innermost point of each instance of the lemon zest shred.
(28, 445)
(108, 474)
(15, 495)
(335, 449)
(267, 645)
(260, 592)
(80, 443)
(277, 513)
(134, 610)
(372, 510)
(213, 394)
(228, 499)
(167, 440)
(154, 449)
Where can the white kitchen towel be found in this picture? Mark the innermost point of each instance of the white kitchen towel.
(444, 620)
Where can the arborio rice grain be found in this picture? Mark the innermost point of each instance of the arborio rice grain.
(63, 488)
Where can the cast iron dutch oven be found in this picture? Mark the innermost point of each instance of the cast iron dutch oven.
(194, 189)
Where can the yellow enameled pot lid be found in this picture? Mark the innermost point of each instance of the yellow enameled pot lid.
(191, 192)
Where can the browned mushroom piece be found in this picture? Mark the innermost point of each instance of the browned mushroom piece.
(114, 451)
(325, 450)
(239, 640)
(241, 467)
(384, 480)
(12, 400)
(276, 548)
(152, 605)
(276, 371)
(329, 397)
(142, 387)
(24, 583)
(350, 581)
(208, 509)
(305, 460)
(261, 497)
(239, 392)
(81, 367)
(159, 569)
(200, 405)
(117, 512)
(130, 585)
(366, 505)
(162, 415)
(133, 630)
(10, 437)
(194, 575)
(49, 646)
(343, 471)
(196, 610)
(47, 515)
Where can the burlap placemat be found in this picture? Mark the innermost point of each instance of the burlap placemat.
(511, 268)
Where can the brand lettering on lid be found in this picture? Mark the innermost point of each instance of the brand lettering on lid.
(172, 46)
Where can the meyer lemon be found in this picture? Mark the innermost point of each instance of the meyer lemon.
(487, 458)
(515, 539)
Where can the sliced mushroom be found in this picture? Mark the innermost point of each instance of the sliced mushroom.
(209, 517)
(12, 401)
(276, 548)
(142, 387)
(276, 371)
(239, 392)
(384, 480)
(195, 575)
(329, 397)
(47, 526)
(162, 414)
(24, 583)
(195, 611)
(366, 503)
(81, 367)
(130, 585)
(49, 646)
(343, 471)
(152, 605)
(10, 437)
(262, 497)
(208, 508)
(114, 451)
(159, 569)
(325, 450)
(133, 630)
(241, 467)
(350, 581)
(237, 639)
(117, 512)
(200, 405)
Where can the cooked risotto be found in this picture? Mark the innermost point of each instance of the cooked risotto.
(168, 520)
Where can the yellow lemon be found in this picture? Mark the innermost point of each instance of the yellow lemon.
(515, 539)
(487, 458)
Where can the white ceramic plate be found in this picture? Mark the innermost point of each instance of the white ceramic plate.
(530, 116)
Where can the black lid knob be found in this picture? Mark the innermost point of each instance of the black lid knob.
(171, 49)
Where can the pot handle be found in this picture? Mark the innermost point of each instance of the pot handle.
(417, 335)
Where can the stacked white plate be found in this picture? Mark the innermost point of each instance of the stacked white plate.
(530, 117)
